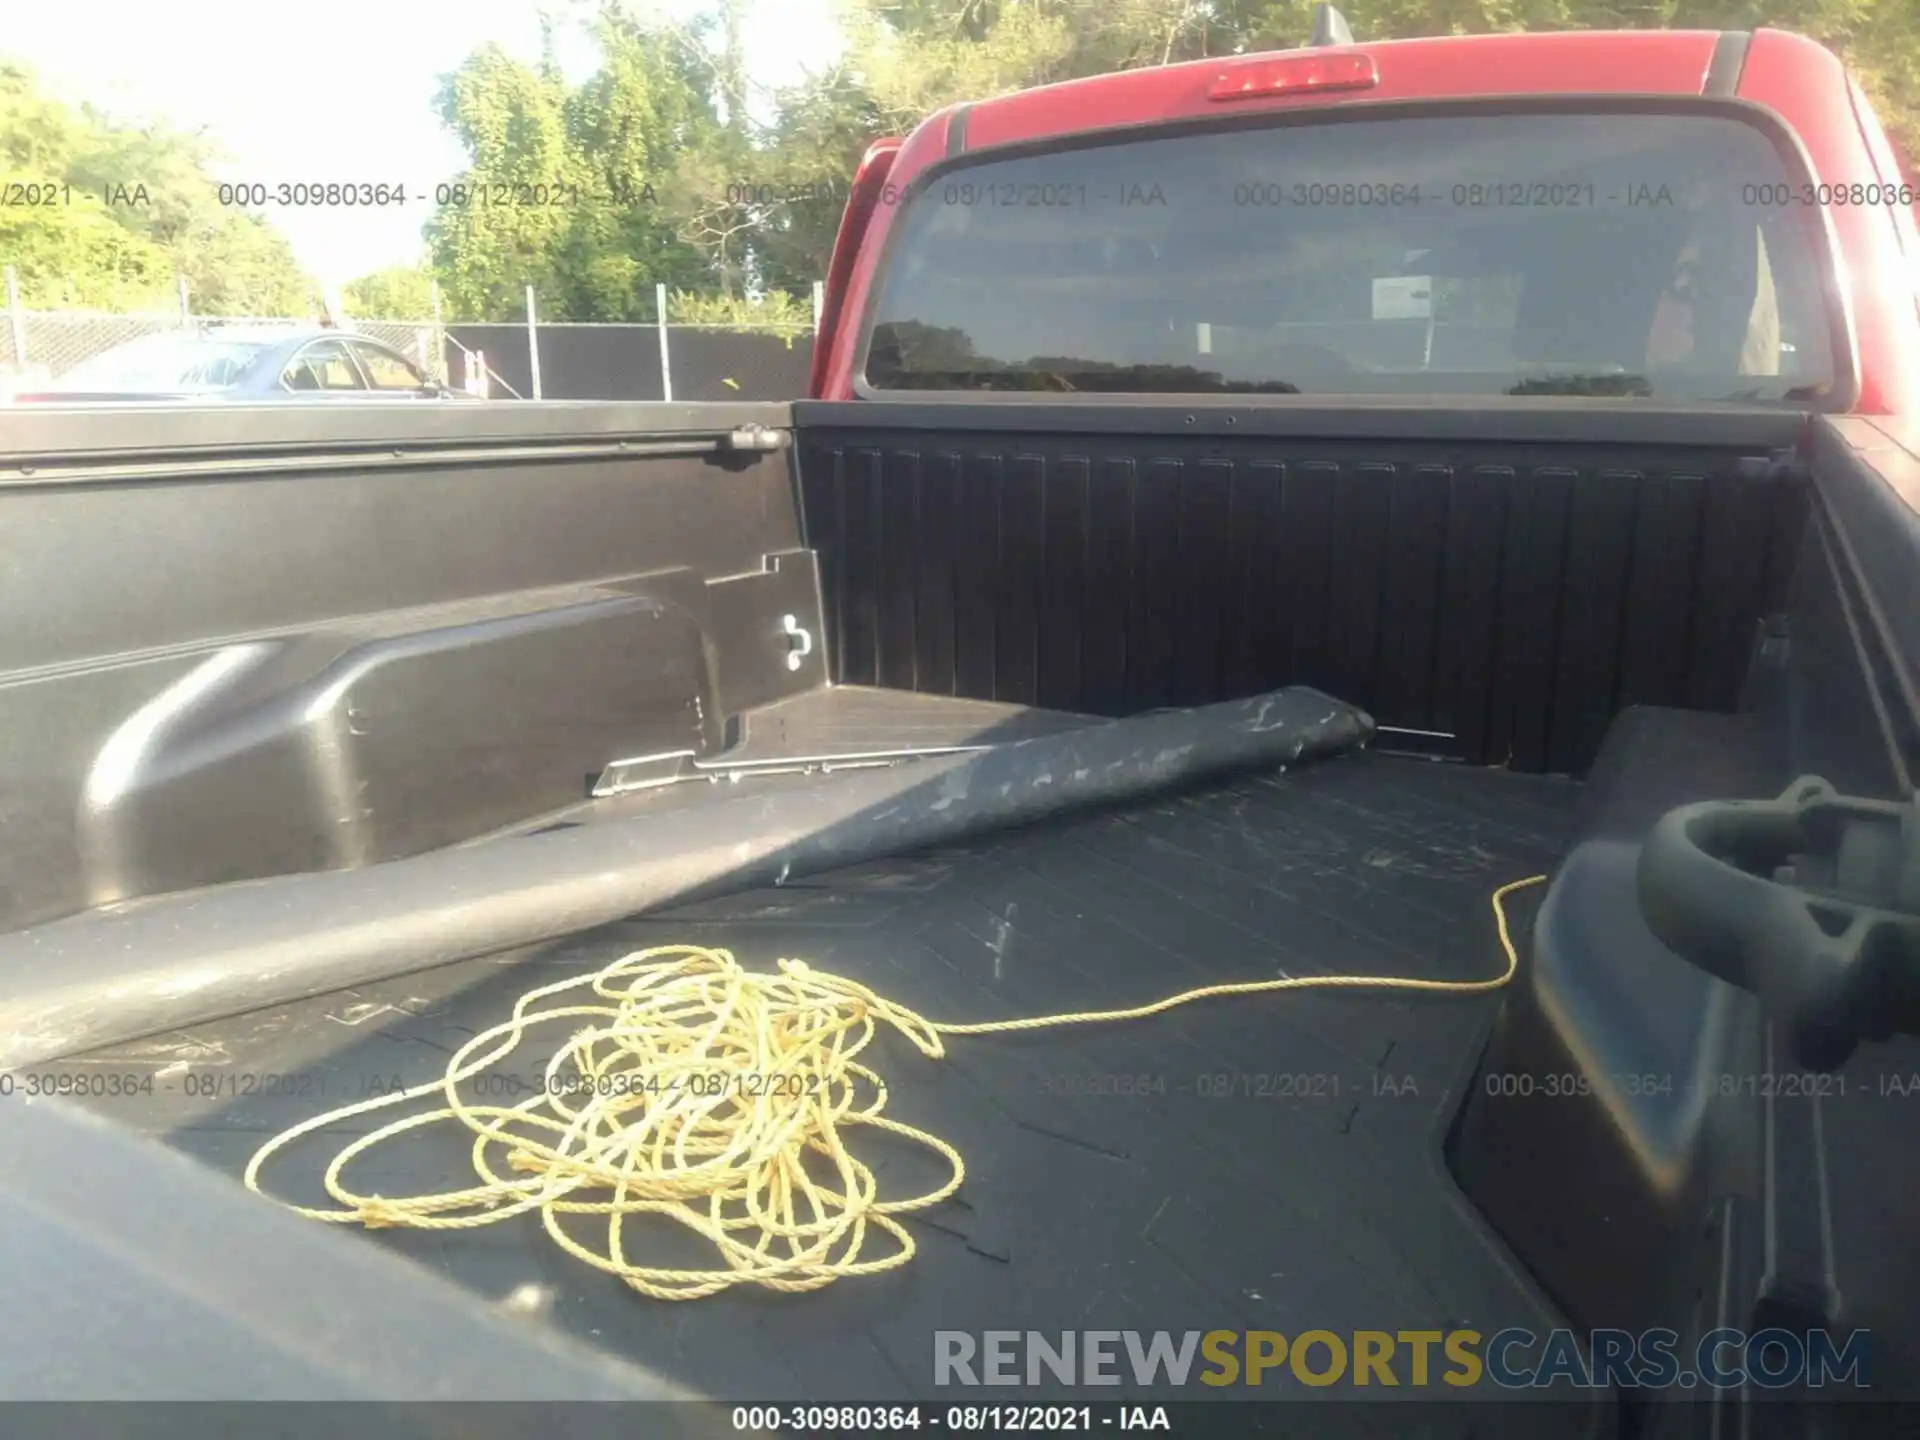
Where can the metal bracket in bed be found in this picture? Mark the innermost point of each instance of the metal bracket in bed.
(672, 767)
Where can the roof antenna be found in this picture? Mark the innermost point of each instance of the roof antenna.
(1330, 27)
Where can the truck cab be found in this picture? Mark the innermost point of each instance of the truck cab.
(1346, 141)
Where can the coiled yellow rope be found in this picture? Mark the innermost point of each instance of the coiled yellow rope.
(717, 1098)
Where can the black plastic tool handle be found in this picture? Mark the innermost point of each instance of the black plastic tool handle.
(1811, 901)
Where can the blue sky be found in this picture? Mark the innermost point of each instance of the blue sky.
(337, 91)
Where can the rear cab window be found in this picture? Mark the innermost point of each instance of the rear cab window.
(1607, 253)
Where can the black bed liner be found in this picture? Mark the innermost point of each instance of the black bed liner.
(1168, 1210)
(1508, 579)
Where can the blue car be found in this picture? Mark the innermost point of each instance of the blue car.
(247, 365)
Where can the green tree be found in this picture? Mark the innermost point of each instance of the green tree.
(141, 208)
(652, 148)
(822, 131)
(77, 257)
(399, 292)
(511, 119)
(625, 159)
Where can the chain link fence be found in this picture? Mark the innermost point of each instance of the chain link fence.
(38, 346)
(43, 345)
(566, 360)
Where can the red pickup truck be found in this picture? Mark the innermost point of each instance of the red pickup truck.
(1249, 515)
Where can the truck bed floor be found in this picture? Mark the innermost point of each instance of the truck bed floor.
(1270, 1163)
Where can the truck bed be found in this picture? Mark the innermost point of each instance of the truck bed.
(1160, 1175)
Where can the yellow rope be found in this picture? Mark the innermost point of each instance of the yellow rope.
(715, 1098)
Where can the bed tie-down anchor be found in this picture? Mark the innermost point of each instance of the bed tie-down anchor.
(799, 640)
